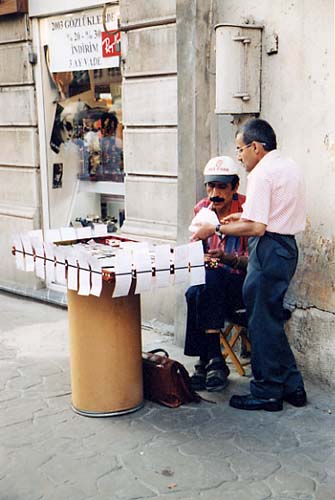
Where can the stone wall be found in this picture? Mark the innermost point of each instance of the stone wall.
(150, 133)
(19, 165)
(297, 98)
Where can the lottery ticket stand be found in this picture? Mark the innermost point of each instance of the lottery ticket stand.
(104, 308)
(105, 350)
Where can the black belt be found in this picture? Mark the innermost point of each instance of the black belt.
(276, 235)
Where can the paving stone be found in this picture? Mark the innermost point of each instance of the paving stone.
(56, 403)
(68, 449)
(253, 440)
(20, 382)
(323, 453)
(206, 447)
(7, 395)
(81, 471)
(238, 490)
(288, 484)
(254, 466)
(121, 484)
(294, 496)
(69, 424)
(24, 479)
(6, 461)
(325, 493)
(65, 493)
(118, 439)
(20, 410)
(174, 438)
(184, 417)
(22, 434)
(38, 340)
(305, 464)
(179, 495)
(15, 488)
(223, 423)
(7, 353)
(152, 462)
(8, 370)
(329, 465)
(196, 452)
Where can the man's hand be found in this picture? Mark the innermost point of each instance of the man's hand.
(204, 231)
(231, 218)
(216, 253)
(226, 258)
(230, 259)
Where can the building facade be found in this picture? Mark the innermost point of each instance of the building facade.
(171, 125)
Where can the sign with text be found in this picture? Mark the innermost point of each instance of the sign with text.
(78, 41)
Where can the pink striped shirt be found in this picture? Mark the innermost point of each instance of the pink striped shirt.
(276, 195)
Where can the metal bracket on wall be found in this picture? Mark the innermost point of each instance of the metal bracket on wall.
(243, 94)
(32, 57)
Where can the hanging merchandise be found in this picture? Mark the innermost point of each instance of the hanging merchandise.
(92, 254)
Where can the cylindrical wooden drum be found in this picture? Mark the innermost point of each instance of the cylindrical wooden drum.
(106, 354)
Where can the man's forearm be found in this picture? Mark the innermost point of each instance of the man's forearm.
(243, 227)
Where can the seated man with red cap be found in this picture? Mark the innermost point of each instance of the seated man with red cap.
(211, 304)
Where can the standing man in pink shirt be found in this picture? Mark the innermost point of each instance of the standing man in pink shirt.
(273, 213)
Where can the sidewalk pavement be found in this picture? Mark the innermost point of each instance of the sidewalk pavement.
(199, 451)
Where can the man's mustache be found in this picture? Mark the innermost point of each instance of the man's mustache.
(216, 199)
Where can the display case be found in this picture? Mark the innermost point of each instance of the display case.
(81, 79)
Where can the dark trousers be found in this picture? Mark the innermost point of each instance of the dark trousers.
(271, 266)
(209, 306)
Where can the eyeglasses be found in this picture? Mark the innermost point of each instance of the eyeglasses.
(242, 148)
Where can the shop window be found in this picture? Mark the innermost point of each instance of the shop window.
(83, 114)
(89, 115)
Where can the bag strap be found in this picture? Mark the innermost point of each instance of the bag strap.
(155, 351)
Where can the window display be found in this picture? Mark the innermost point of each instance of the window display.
(95, 130)
(83, 115)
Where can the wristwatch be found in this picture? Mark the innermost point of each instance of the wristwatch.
(217, 230)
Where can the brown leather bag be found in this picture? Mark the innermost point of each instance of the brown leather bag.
(166, 381)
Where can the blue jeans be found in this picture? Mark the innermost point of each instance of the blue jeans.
(271, 266)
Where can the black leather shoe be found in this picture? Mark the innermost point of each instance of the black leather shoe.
(297, 398)
(249, 402)
(217, 375)
(198, 379)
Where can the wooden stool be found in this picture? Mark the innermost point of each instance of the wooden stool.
(230, 334)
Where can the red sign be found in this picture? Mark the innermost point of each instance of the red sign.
(111, 43)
